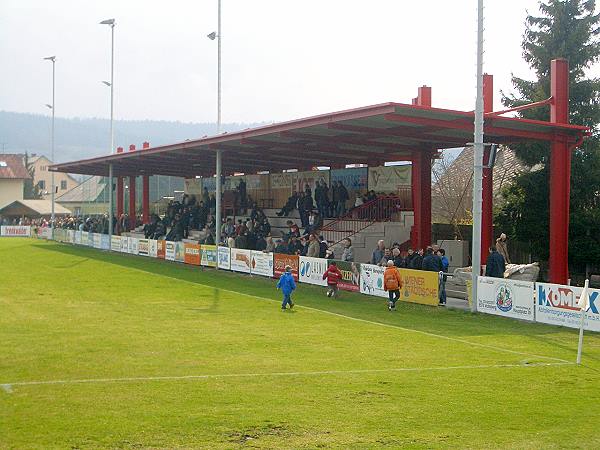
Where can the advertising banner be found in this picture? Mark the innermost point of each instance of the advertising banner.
(354, 179)
(179, 251)
(208, 255)
(105, 242)
(262, 264)
(15, 231)
(301, 179)
(97, 239)
(350, 276)
(84, 238)
(153, 248)
(124, 244)
(170, 250)
(504, 297)
(240, 260)
(161, 247)
(371, 280)
(224, 258)
(557, 305)
(191, 254)
(389, 179)
(256, 181)
(280, 261)
(78, 237)
(133, 245)
(115, 243)
(281, 180)
(71, 236)
(193, 186)
(419, 286)
(90, 242)
(311, 270)
(143, 247)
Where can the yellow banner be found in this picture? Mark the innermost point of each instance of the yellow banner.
(419, 286)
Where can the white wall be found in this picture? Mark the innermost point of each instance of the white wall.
(10, 190)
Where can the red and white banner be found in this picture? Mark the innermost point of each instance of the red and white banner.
(15, 231)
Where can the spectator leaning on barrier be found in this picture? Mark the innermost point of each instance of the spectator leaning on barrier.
(417, 260)
(313, 246)
(502, 248)
(398, 260)
(431, 262)
(348, 253)
(378, 252)
(495, 266)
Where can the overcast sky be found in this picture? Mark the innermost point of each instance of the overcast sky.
(282, 59)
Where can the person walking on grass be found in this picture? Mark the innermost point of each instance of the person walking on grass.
(287, 285)
(333, 276)
(392, 283)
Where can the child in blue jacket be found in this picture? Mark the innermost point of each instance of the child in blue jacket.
(287, 285)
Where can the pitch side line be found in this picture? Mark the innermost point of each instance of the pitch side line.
(8, 387)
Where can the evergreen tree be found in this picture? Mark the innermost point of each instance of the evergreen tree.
(565, 29)
(30, 191)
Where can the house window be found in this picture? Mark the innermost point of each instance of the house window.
(63, 185)
(42, 184)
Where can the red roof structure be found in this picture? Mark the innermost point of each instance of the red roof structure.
(12, 166)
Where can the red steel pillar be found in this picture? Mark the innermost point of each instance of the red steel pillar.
(145, 192)
(560, 174)
(119, 192)
(421, 185)
(487, 221)
(132, 180)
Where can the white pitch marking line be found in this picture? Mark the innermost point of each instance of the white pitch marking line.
(426, 333)
(7, 388)
(281, 374)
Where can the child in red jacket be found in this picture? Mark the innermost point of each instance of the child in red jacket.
(333, 276)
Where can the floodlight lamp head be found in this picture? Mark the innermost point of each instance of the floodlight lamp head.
(212, 36)
(50, 58)
(48, 106)
(106, 83)
(110, 22)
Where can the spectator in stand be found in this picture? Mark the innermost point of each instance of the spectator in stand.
(205, 196)
(270, 247)
(431, 262)
(343, 197)
(378, 252)
(333, 276)
(294, 246)
(313, 246)
(323, 247)
(417, 260)
(358, 201)
(231, 242)
(410, 254)
(348, 253)
(399, 261)
(315, 222)
(241, 241)
(495, 265)
(228, 229)
(291, 204)
(293, 229)
(322, 198)
(387, 256)
(281, 247)
(261, 244)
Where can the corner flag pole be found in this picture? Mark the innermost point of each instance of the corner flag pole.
(583, 304)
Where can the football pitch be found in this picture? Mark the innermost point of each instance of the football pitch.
(103, 350)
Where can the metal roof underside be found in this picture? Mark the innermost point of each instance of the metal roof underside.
(370, 135)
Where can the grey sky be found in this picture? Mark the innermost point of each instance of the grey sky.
(281, 59)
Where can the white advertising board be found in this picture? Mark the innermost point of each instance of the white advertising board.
(152, 248)
(557, 305)
(71, 236)
(224, 258)
(124, 244)
(170, 250)
(143, 247)
(115, 243)
(179, 251)
(241, 260)
(15, 231)
(311, 270)
(371, 280)
(78, 237)
(262, 264)
(105, 242)
(504, 297)
(133, 245)
(97, 240)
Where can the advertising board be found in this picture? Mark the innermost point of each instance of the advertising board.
(191, 254)
(281, 260)
(224, 258)
(15, 231)
(170, 250)
(241, 260)
(371, 280)
(143, 247)
(208, 255)
(115, 243)
(504, 297)
(557, 305)
(350, 276)
(311, 270)
(261, 264)
(419, 286)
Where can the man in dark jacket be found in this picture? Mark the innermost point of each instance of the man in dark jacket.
(495, 265)
(417, 260)
(431, 261)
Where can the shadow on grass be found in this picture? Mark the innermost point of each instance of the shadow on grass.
(447, 322)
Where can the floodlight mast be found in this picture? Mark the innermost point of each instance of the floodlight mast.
(53, 60)
(111, 84)
(477, 163)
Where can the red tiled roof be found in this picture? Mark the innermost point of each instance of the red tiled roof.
(13, 167)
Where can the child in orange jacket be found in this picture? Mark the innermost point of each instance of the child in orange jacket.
(392, 283)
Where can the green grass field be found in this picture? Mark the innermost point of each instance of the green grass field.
(105, 350)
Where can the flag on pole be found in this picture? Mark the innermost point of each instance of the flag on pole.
(583, 304)
(584, 298)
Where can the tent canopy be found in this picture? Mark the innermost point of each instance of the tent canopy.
(33, 208)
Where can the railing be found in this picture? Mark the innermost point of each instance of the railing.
(381, 209)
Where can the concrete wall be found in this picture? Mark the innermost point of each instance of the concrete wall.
(10, 190)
